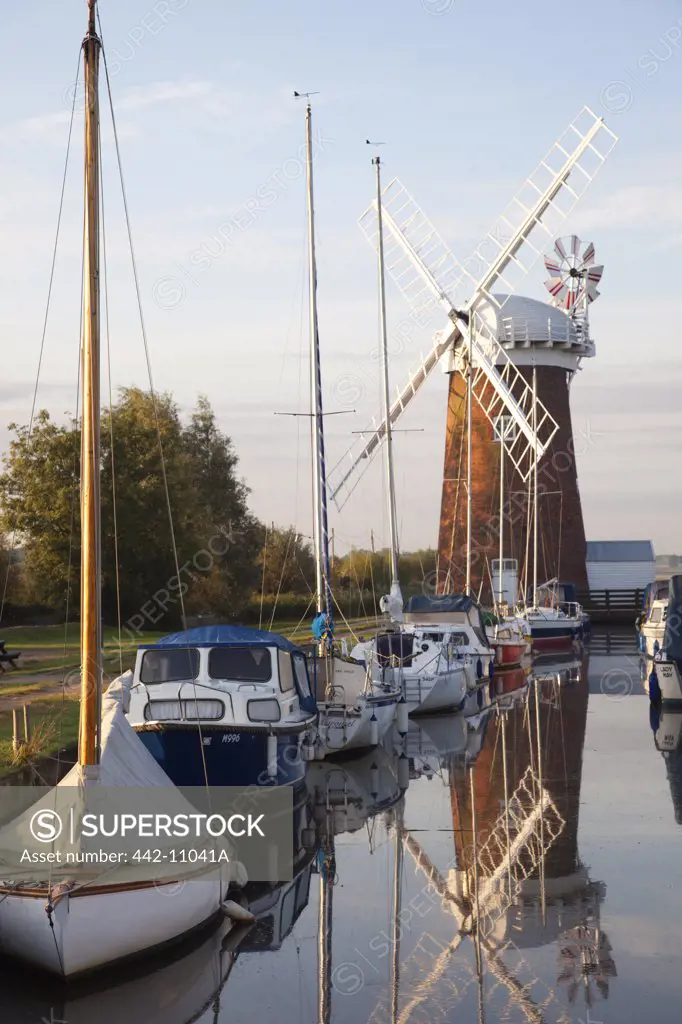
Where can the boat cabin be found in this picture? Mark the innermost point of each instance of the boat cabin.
(229, 675)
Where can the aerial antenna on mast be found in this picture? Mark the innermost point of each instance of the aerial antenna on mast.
(369, 142)
(304, 95)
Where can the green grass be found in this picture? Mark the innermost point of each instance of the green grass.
(45, 717)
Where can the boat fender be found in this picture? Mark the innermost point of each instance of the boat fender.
(308, 838)
(479, 668)
(272, 756)
(657, 647)
(236, 913)
(491, 668)
(654, 688)
(373, 730)
(401, 716)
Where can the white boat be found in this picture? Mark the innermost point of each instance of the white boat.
(227, 705)
(556, 624)
(70, 927)
(663, 671)
(355, 710)
(651, 624)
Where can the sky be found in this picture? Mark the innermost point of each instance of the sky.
(467, 96)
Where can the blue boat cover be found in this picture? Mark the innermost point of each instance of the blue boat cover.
(225, 636)
(672, 642)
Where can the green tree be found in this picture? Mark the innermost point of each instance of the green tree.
(286, 564)
(216, 537)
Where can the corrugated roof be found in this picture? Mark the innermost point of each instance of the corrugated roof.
(620, 551)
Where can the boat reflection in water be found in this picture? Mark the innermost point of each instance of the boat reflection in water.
(516, 881)
(184, 986)
(667, 728)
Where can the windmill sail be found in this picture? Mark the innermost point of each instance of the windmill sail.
(429, 276)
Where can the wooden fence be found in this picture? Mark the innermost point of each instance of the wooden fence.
(612, 605)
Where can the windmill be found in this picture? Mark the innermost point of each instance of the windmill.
(475, 295)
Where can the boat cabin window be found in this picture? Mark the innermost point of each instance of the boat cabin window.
(301, 671)
(241, 664)
(169, 666)
(286, 671)
(459, 639)
(656, 614)
(434, 637)
(395, 646)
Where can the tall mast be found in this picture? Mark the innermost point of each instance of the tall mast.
(91, 646)
(535, 488)
(320, 520)
(470, 369)
(396, 599)
(500, 588)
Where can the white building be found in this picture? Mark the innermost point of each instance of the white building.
(620, 564)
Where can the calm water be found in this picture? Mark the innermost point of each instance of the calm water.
(530, 872)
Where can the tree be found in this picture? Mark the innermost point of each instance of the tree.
(144, 448)
(229, 532)
(286, 563)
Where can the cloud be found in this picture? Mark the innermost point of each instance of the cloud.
(50, 128)
(648, 207)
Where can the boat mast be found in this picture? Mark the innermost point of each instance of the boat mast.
(320, 519)
(535, 487)
(395, 600)
(500, 590)
(91, 629)
(470, 368)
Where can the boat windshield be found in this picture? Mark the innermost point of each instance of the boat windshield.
(169, 666)
(241, 664)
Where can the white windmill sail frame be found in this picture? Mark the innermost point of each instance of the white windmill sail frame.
(504, 258)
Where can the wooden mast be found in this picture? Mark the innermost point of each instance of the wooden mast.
(91, 646)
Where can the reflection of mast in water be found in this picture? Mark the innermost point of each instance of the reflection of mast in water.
(518, 873)
(327, 868)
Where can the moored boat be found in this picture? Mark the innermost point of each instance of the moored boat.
(224, 706)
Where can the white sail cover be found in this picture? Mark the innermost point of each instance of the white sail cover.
(125, 766)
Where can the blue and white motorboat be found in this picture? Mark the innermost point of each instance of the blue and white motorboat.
(663, 672)
(223, 706)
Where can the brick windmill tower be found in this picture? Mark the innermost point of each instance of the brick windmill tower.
(492, 339)
(549, 342)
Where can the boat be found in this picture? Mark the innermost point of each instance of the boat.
(227, 704)
(355, 710)
(651, 623)
(664, 678)
(555, 624)
(68, 923)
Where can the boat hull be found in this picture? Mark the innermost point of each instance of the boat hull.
(93, 929)
(234, 756)
(443, 692)
(669, 680)
(344, 729)
(509, 655)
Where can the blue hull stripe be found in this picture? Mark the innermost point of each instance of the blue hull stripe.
(233, 757)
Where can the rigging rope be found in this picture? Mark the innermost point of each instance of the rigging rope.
(47, 313)
(152, 390)
(111, 415)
